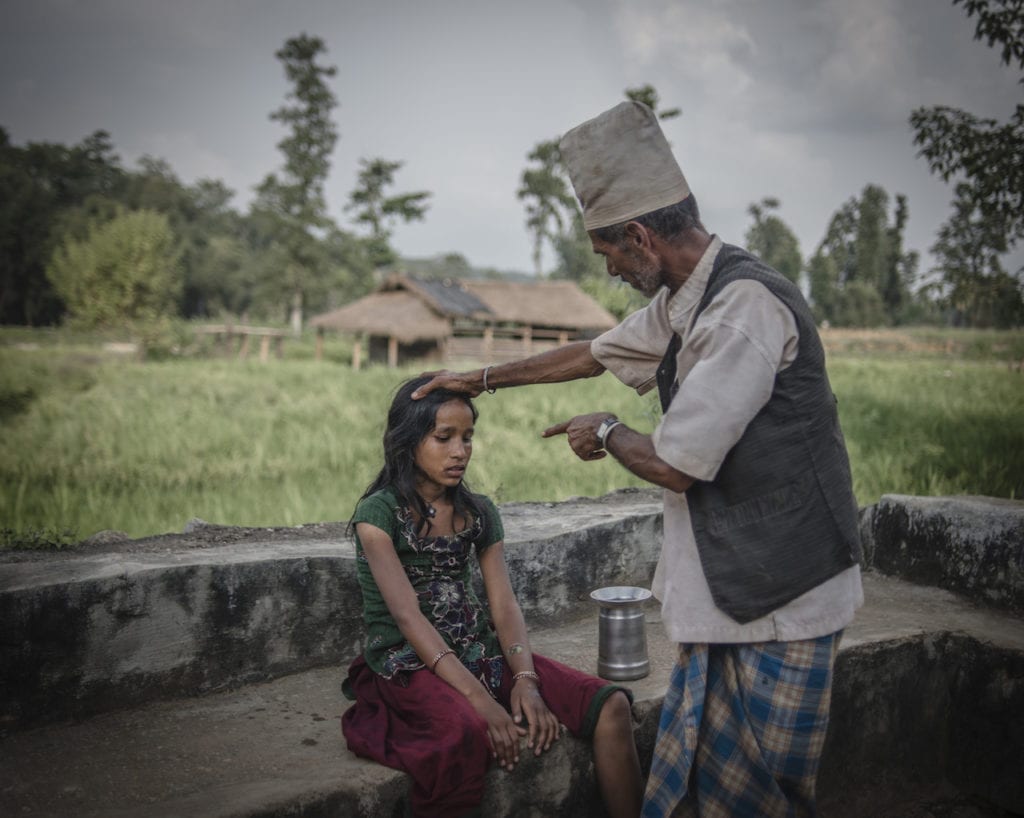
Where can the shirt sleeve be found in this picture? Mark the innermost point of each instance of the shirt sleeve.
(730, 359)
(377, 511)
(493, 529)
(632, 350)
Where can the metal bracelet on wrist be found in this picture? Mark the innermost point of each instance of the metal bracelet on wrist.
(490, 390)
(605, 428)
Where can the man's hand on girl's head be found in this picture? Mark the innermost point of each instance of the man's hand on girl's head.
(466, 382)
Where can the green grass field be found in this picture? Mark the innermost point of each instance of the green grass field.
(91, 441)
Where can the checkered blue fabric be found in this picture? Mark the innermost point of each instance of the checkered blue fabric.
(742, 729)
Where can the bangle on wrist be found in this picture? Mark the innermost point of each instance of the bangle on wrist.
(438, 658)
(490, 390)
(605, 429)
(526, 674)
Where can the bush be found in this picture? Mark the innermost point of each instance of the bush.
(125, 270)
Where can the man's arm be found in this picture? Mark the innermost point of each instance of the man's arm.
(635, 451)
(565, 363)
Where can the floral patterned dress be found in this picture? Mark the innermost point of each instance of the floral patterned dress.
(440, 571)
(415, 721)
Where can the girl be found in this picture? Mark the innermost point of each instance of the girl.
(442, 688)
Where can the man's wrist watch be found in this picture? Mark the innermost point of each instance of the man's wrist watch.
(605, 429)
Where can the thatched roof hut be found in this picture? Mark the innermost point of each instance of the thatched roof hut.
(449, 320)
(550, 304)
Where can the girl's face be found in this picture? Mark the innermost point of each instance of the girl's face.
(442, 456)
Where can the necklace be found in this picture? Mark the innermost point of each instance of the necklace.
(431, 511)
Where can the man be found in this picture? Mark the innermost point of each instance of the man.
(759, 569)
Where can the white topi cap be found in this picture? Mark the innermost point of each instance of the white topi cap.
(621, 166)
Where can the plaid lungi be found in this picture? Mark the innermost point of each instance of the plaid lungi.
(742, 729)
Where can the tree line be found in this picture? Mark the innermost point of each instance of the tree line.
(84, 239)
(860, 274)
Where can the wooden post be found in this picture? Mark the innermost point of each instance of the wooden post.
(319, 344)
(243, 347)
(357, 355)
(392, 351)
(488, 343)
(527, 340)
(563, 338)
(264, 348)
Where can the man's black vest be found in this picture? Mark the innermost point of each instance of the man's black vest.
(780, 517)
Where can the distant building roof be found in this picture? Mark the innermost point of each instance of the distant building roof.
(412, 309)
(448, 296)
(398, 313)
(560, 304)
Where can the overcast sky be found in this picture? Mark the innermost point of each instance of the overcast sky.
(804, 100)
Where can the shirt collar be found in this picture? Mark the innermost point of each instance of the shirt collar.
(688, 296)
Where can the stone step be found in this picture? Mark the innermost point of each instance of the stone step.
(275, 748)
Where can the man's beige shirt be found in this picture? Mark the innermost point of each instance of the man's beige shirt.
(726, 369)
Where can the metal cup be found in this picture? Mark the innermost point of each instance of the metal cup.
(621, 634)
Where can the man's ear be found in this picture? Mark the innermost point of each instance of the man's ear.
(638, 235)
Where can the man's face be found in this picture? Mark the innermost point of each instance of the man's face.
(639, 270)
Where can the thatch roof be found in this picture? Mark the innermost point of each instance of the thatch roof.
(399, 313)
(558, 304)
(413, 309)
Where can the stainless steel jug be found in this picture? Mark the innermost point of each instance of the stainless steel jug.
(621, 635)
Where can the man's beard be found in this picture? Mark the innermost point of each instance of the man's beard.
(646, 274)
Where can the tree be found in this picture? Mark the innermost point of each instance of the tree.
(772, 240)
(40, 184)
(294, 201)
(900, 268)
(444, 265)
(548, 197)
(860, 275)
(974, 287)
(125, 271)
(986, 156)
(379, 211)
(215, 266)
(987, 159)
(649, 97)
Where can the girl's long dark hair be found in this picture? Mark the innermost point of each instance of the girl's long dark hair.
(409, 421)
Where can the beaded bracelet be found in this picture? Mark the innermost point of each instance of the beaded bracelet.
(526, 674)
(438, 658)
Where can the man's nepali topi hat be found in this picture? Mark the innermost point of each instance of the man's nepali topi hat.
(621, 166)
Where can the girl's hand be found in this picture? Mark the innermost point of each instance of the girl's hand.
(502, 732)
(527, 701)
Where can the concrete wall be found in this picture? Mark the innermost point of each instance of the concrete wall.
(916, 715)
(972, 546)
(86, 633)
(134, 621)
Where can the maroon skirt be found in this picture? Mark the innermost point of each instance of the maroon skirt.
(426, 728)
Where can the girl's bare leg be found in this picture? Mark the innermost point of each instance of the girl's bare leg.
(615, 759)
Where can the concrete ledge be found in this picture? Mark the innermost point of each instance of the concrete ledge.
(937, 712)
(929, 693)
(970, 545)
(133, 621)
(928, 697)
